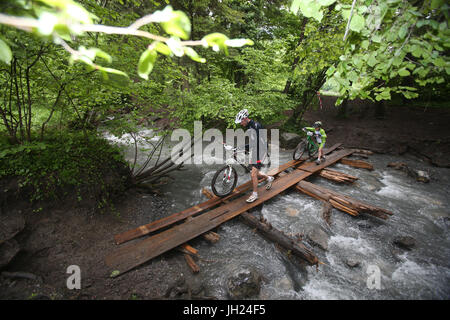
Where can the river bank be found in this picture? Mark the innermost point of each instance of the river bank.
(62, 236)
(402, 128)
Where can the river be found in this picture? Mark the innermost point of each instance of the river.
(421, 210)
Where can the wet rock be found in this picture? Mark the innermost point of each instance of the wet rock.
(404, 242)
(316, 236)
(422, 176)
(177, 289)
(12, 223)
(246, 283)
(352, 262)
(289, 140)
(397, 254)
(398, 166)
(364, 225)
(8, 250)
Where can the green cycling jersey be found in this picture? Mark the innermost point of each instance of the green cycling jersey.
(322, 138)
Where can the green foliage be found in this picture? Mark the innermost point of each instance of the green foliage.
(65, 20)
(395, 47)
(74, 164)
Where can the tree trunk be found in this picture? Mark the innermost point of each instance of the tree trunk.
(341, 202)
(297, 58)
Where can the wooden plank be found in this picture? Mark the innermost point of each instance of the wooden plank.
(290, 243)
(130, 256)
(357, 164)
(134, 254)
(179, 216)
(189, 249)
(191, 263)
(313, 167)
(337, 176)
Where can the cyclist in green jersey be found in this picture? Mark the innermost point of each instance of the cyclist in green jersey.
(321, 138)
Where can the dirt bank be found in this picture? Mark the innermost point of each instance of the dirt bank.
(57, 238)
(424, 132)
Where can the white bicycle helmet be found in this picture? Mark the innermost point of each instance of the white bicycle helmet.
(317, 124)
(241, 115)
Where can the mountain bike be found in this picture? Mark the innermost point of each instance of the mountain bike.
(306, 148)
(225, 179)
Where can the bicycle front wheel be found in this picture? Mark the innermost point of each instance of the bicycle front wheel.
(224, 181)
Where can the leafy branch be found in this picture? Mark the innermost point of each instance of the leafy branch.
(64, 20)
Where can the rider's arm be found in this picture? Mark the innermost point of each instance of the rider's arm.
(309, 128)
(324, 135)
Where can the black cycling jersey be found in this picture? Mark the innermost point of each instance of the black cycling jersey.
(256, 126)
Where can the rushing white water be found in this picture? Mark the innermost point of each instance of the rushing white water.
(420, 210)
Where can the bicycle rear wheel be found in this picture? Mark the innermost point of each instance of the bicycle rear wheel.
(224, 181)
(299, 152)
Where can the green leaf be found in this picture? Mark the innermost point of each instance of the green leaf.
(365, 44)
(384, 95)
(403, 31)
(311, 9)
(162, 48)
(295, 6)
(107, 71)
(216, 41)
(115, 273)
(47, 22)
(403, 72)
(178, 25)
(91, 53)
(326, 3)
(193, 55)
(162, 15)
(238, 42)
(146, 62)
(357, 23)
(5, 52)
(421, 23)
(435, 4)
(372, 61)
(416, 51)
(377, 38)
(175, 46)
(330, 71)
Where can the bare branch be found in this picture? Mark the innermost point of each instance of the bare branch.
(349, 20)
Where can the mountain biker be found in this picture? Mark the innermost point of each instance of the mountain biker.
(321, 138)
(243, 119)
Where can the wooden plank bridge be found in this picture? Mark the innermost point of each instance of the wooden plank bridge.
(175, 230)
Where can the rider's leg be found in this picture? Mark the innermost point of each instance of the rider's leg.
(320, 154)
(254, 176)
(268, 178)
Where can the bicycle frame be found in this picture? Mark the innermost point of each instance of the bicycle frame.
(312, 145)
(235, 152)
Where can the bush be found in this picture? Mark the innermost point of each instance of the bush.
(75, 167)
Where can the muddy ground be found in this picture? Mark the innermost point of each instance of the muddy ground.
(62, 235)
(421, 131)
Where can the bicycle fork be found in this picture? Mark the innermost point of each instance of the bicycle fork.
(227, 174)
